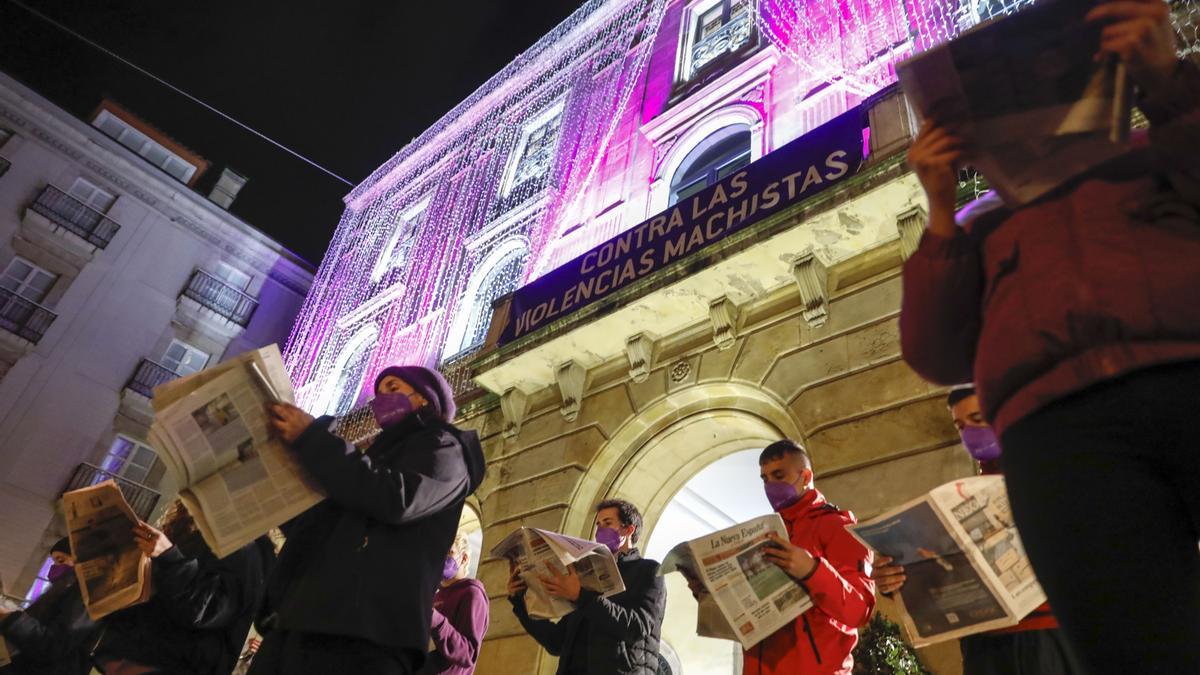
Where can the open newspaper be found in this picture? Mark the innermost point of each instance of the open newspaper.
(532, 550)
(748, 597)
(112, 571)
(211, 431)
(966, 570)
(1026, 94)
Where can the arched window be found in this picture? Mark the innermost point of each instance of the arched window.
(349, 380)
(475, 315)
(720, 154)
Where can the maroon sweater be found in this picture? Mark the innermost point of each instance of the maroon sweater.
(460, 620)
(1098, 279)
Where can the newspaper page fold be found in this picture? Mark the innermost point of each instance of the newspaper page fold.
(748, 596)
(1026, 94)
(966, 569)
(113, 574)
(211, 428)
(532, 550)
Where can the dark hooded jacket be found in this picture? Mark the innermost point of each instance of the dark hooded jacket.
(365, 563)
(198, 615)
(54, 636)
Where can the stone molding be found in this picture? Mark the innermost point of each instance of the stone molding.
(910, 224)
(724, 317)
(572, 380)
(812, 278)
(639, 349)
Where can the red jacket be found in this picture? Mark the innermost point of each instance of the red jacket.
(1095, 280)
(843, 595)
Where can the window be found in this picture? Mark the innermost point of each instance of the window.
(404, 233)
(232, 276)
(184, 359)
(724, 152)
(130, 459)
(477, 306)
(86, 191)
(715, 27)
(535, 151)
(350, 380)
(27, 280)
(151, 150)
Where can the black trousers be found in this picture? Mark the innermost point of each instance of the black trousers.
(1030, 652)
(291, 653)
(1105, 489)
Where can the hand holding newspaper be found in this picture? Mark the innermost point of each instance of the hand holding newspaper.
(531, 550)
(1026, 95)
(966, 569)
(113, 573)
(211, 430)
(748, 596)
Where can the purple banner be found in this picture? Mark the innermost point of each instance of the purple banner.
(816, 161)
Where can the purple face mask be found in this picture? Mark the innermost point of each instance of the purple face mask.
(449, 569)
(609, 537)
(980, 442)
(58, 571)
(781, 495)
(391, 408)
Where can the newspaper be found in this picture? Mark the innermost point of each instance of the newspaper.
(532, 550)
(965, 567)
(113, 573)
(212, 433)
(748, 597)
(1027, 96)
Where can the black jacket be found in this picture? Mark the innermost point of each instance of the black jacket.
(620, 633)
(366, 562)
(55, 636)
(198, 615)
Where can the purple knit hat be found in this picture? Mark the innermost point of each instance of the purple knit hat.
(428, 383)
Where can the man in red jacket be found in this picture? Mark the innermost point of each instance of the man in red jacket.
(1076, 317)
(822, 557)
(1034, 646)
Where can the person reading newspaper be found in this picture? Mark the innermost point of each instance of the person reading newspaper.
(55, 634)
(353, 591)
(615, 635)
(200, 607)
(833, 567)
(1076, 318)
(1034, 645)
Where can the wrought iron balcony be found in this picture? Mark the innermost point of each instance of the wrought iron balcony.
(23, 318)
(75, 216)
(148, 375)
(458, 372)
(4, 164)
(220, 297)
(141, 498)
(727, 38)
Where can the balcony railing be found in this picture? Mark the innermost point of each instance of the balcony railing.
(458, 372)
(150, 374)
(220, 297)
(23, 318)
(727, 38)
(76, 217)
(141, 498)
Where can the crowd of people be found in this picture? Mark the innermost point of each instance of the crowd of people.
(1076, 318)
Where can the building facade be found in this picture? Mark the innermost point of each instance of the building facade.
(116, 277)
(665, 236)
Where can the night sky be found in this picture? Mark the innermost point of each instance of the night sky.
(345, 82)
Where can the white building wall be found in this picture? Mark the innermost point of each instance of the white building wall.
(63, 399)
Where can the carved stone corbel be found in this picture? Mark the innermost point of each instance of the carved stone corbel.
(910, 224)
(724, 316)
(514, 405)
(640, 351)
(812, 278)
(571, 378)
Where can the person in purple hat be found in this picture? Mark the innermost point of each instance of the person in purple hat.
(353, 589)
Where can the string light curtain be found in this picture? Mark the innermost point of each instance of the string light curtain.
(491, 170)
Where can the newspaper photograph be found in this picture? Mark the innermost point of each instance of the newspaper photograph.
(966, 570)
(212, 430)
(113, 574)
(1026, 95)
(534, 552)
(748, 597)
